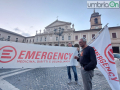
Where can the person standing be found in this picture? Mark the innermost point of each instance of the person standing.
(88, 63)
(74, 70)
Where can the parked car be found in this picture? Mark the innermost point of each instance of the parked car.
(116, 56)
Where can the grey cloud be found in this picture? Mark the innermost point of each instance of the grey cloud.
(22, 32)
(26, 34)
(17, 29)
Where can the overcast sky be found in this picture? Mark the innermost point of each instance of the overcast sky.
(27, 16)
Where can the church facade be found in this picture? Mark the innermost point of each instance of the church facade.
(59, 33)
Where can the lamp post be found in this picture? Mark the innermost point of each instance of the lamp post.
(58, 32)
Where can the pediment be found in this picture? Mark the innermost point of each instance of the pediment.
(58, 23)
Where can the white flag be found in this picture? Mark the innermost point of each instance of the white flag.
(105, 59)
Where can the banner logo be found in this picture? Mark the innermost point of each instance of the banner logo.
(109, 54)
(8, 53)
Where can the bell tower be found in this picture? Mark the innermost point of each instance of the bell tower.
(95, 21)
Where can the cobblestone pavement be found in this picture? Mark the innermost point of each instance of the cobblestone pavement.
(50, 79)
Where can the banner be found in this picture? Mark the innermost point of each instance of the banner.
(22, 55)
(105, 59)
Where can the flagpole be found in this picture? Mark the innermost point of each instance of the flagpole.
(97, 34)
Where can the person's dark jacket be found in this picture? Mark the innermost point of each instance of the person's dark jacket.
(88, 58)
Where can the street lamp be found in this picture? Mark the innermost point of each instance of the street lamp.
(58, 32)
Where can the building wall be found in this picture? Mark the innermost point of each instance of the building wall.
(96, 27)
(30, 40)
(12, 36)
(51, 37)
(114, 41)
(117, 31)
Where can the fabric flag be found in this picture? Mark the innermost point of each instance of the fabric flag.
(105, 59)
(22, 55)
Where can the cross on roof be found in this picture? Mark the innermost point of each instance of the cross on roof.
(57, 17)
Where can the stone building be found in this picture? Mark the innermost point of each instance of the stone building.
(6, 35)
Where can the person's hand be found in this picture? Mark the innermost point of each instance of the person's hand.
(75, 57)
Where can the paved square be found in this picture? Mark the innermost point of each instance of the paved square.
(52, 79)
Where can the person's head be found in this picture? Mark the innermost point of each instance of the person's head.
(69, 44)
(82, 42)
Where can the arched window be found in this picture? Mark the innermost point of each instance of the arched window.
(96, 21)
(41, 39)
(62, 45)
(62, 37)
(69, 37)
(76, 37)
(56, 38)
(23, 41)
(37, 39)
(45, 38)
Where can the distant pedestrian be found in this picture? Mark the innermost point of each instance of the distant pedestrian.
(74, 70)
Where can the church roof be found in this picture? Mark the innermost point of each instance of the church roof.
(95, 14)
(3, 30)
(58, 23)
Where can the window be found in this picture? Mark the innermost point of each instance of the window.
(113, 35)
(23, 41)
(84, 36)
(69, 37)
(93, 36)
(16, 39)
(41, 39)
(27, 41)
(45, 38)
(62, 37)
(8, 38)
(0, 35)
(56, 38)
(37, 39)
(33, 40)
(76, 37)
(66, 27)
(96, 21)
(30, 40)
